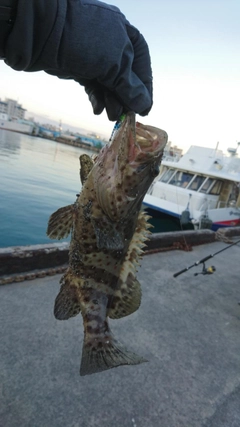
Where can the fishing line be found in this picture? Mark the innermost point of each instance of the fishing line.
(205, 270)
(117, 126)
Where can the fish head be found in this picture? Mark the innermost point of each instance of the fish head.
(125, 169)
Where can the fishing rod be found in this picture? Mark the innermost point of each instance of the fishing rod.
(205, 270)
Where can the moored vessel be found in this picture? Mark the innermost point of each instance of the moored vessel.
(199, 189)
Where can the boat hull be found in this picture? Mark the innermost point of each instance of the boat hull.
(166, 219)
(164, 222)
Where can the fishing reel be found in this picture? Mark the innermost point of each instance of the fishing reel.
(206, 270)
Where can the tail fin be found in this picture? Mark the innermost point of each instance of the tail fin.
(105, 354)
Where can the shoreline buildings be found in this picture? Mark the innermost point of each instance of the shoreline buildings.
(12, 108)
(12, 118)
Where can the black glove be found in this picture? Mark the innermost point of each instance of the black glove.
(99, 95)
(100, 98)
(90, 42)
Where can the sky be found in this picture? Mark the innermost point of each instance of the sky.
(194, 47)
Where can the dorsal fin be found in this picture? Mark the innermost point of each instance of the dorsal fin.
(136, 246)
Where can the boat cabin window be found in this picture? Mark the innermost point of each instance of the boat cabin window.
(164, 169)
(181, 179)
(207, 184)
(197, 182)
(167, 175)
(216, 189)
(211, 186)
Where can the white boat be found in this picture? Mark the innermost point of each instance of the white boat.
(17, 125)
(199, 188)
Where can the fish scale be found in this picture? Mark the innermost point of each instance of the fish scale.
(108, 231)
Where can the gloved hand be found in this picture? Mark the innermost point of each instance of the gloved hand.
(137, 81)
(90, 42)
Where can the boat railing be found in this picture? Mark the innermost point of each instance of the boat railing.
(171, 157)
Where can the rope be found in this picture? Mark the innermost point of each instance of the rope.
(220, 236)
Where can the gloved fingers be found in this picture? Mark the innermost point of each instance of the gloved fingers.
(129, 96)
(141, 62)
(141, 65)
(133, 95)
(100, 98)
(96, 97)
(132, 86)
(113, 107)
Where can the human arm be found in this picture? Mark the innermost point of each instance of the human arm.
(87, 41)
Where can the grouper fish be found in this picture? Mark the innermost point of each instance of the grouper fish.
(108, 230)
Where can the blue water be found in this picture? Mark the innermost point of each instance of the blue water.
(37, 176)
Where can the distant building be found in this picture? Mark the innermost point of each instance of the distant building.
(3, 116)
(12, 118)
(3, 107)
(12, 109)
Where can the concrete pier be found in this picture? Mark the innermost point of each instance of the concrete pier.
(188, 328)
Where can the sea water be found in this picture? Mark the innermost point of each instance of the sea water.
(37, 176)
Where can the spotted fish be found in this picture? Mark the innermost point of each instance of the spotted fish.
(108, 231)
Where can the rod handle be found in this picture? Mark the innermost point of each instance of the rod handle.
(180, 272)
(205, 259)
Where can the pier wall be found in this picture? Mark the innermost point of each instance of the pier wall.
(19, 263)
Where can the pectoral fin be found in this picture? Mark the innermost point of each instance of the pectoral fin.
(60, 223)
(126, 300)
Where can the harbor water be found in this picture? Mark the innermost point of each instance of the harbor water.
(37, 176)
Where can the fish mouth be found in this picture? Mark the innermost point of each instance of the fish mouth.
(127, 166)
(144, 141)
(133, 138)
(150, 139)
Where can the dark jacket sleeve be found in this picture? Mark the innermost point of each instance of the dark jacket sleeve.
(38, 26)
(53, 35)
(83, 40)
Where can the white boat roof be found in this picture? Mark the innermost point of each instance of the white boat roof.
(205, 161)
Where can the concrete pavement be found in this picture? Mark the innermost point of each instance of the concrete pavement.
(188, 328)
